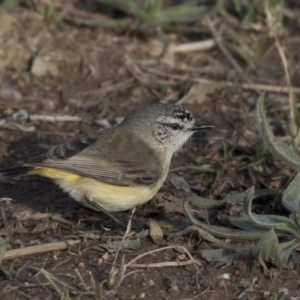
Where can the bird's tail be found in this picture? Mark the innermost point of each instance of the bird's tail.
(15, 171)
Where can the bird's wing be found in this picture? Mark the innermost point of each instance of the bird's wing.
(85, 158)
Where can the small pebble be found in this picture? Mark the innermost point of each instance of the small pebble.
(174, 288)
(142, 295)
(151, 282)
(225, 276)
(105, 256)
(284, 291)
(10, 94)
(181, 257)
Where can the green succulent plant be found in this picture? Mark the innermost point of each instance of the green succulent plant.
(251, 226)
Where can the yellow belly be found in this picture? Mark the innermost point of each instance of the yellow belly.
(110, 197)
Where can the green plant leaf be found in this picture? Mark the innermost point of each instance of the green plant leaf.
(102, 22)
(205, 235)
(153, 9)
(129, 7)
(223, 255)
(278, 148)
(3, 247)
(185, 13)
(8, 5)
(287, 249)
(202, 169)
(295, 216)
(291, 196)
(258, 194)
(238, 197)
(221, 231)
(204, 203)
(267, 250)
(245, 223)
(268, 221)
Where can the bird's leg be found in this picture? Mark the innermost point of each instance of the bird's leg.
(103, 210)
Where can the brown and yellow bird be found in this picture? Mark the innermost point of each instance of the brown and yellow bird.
(118, 168)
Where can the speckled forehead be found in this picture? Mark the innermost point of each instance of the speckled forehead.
(176, 114)
(182, 114)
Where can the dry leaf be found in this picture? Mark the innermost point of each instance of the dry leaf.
(155, 232)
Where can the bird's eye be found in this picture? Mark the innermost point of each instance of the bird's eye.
(175, 126)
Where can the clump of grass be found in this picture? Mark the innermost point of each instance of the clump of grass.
(152, 11)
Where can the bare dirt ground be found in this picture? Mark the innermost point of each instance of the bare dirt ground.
(92, 78)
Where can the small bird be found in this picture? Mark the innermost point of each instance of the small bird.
(118, 168)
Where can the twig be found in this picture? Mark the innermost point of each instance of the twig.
(22, 114)
(188, 47)
(136, 71)
(293, 112)
(94, 87)
(47, 118)
(128, 229)
(18, 127)
(55, 133)
(116, 274)
(224, 50)
(39, 249)
(26, 285)
(161, 249)
(25, 216)
(172, 96)
(165, 264)
(132, 272)
(247, 86)
(5, 199)
(287, 75)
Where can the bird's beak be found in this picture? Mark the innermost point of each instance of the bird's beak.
(199, 126)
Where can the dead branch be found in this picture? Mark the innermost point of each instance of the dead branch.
(166, 264)
(223, 49)
(10, 254)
